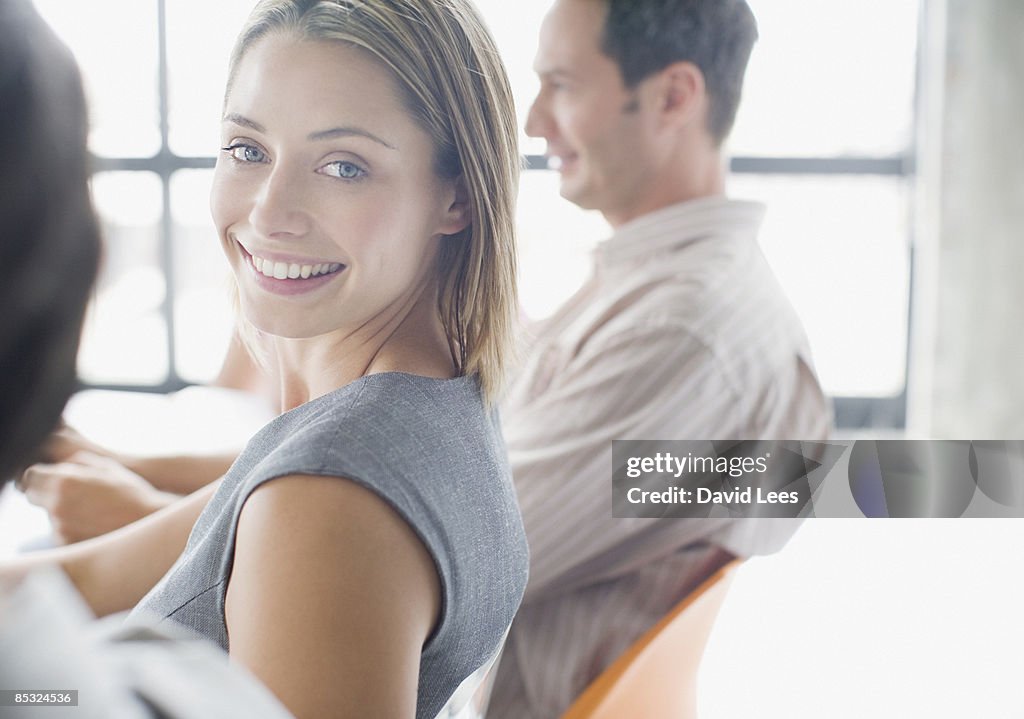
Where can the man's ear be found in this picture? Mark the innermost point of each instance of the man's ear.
(682, 93)
(457, 217)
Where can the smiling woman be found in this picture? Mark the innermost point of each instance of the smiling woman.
(371, 247)
(302, 180)
(363, 196)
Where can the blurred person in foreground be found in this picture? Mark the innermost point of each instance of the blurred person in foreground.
(681, 332)
(50, 248)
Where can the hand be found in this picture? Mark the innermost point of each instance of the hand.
(90, 494)
(67, 441)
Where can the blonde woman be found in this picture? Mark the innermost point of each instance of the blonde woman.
(364, 554)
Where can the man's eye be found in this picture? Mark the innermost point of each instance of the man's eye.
(245, 153)
(343, 170)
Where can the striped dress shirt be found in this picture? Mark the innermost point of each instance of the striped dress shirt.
(682, 332)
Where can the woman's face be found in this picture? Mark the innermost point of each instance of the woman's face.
(324, 195)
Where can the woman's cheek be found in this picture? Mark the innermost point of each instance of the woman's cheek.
(225, 200)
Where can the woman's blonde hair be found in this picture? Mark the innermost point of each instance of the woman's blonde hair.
(455, 86)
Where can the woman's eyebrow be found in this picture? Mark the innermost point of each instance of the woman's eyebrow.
(244, 121)
(341, 131)
(348, 131)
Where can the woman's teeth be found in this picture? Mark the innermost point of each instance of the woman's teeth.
(284, 270)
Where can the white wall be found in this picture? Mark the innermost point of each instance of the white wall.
(888, 619)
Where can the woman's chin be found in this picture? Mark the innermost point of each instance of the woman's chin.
(278, 326)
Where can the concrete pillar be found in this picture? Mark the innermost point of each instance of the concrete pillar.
(974, 354)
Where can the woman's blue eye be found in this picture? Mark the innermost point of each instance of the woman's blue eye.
(344, 170)
(245, 153)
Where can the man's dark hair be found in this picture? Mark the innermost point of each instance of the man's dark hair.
(49, 238)
(646, 36)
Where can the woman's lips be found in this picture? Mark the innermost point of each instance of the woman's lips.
(292, 270)
(289, 278)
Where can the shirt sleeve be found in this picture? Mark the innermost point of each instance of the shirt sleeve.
(650, 382)
(49, 642)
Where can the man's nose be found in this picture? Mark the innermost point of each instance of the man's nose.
(538, 119)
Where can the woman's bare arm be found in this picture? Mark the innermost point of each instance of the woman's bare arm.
(89, 490)
(114, 572)
(182, 473)
(331, 598)
(175, 473)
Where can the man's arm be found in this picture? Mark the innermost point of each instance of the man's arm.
(651, 382)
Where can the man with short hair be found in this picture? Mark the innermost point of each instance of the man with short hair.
(682, 332)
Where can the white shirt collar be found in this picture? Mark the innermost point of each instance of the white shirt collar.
(672, 228)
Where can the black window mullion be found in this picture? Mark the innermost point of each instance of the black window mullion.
(165, 169)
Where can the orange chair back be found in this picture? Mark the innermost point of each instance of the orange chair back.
(656, 678)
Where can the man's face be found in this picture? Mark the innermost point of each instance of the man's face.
(600, 134)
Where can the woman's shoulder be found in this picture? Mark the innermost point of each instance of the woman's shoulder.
(401, 434)
(401, 413)
(387, 396)
(433, 451)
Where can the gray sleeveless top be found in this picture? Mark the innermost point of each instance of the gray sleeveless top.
(428, 448)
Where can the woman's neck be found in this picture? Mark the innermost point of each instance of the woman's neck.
(408, 339)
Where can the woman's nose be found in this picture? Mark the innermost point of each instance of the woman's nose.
(280, 206)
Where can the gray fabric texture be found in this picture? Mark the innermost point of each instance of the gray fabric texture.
(426, 446)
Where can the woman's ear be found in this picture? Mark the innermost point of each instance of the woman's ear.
(457, 217)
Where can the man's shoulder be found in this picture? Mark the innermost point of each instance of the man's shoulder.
(701, 302)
